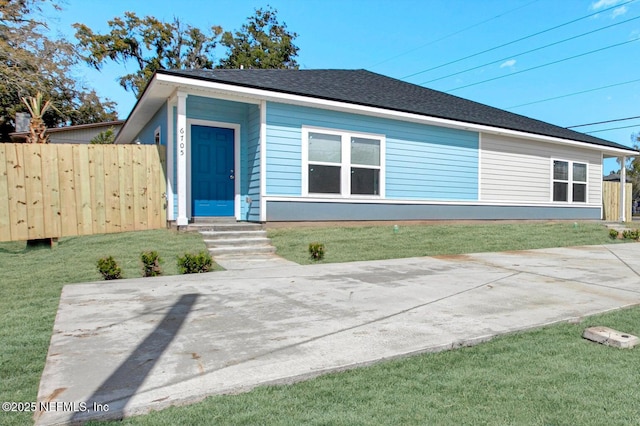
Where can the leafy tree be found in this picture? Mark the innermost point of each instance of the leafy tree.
(263, 42)
(150, 44)
(30, 62)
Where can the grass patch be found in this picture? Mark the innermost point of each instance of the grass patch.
(348, 244)
(542, 377)
(31, 280)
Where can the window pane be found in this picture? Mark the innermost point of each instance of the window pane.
(560, 191)
(324, 179)
(365, 181)
(580, 192)
(365, 151)
(326, 148)
(579, 172)
(561, 170)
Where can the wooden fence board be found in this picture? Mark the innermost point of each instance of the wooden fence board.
(156, 211)
(34, 191)
(51, 191)
(125, 155)
(140, 177)
(68, 209)
(17, 193)
(112, 190)
(83, 192)
(97, 187)
(5, 228)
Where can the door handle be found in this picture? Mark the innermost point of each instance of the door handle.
(231, 175)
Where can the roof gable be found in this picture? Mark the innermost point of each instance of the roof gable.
(366, 88)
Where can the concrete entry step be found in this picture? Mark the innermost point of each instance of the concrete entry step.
(237, 242)
(247, 251)
(225, 238)
(219, 235)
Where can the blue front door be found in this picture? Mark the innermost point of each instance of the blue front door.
(212, 171)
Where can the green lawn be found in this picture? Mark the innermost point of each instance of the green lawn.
(347, 244)
(31, 280)
(549, 376)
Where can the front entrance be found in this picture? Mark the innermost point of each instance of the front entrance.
(212, 171)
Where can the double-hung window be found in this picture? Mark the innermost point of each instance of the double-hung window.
(569, 181)
(342, 163)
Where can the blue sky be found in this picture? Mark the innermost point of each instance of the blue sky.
(414, 40)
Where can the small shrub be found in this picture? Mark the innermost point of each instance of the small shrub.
(613, 234)
(150, 263)
(109, 268)
(631, 234)
(316, 250)
(195, 263)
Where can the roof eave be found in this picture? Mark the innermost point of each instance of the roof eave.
(232, 89)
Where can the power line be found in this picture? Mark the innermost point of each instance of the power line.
(574, 93)
(451, 34)
(544, 65)
(603, 122)
(530, 51)
(516, 41)
(613, 128)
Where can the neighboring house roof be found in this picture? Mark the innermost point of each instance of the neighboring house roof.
(614, 177)
(81, 133)
(366, 88)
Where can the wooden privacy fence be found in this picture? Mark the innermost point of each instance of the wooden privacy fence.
(611, 200)
(58, 190)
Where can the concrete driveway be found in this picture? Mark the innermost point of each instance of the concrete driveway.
(144, 344)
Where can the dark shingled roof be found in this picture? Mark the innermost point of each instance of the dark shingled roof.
(363, 87)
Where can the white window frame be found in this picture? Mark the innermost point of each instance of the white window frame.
(345, 164)
(570, 181)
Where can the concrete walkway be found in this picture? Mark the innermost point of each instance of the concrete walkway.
(144, 344)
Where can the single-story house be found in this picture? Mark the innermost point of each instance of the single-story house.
(80, 133)
(316, 145)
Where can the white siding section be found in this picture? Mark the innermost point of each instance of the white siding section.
(519, 171)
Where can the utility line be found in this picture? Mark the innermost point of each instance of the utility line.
(574, 93)
(603, 122)
(613, 128)
(530, 51)
(517, 40)
(451, 35)
(544, 65)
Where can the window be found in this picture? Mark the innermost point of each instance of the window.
(343, 163)
(325, 163)
(569, 181)
(156, 136)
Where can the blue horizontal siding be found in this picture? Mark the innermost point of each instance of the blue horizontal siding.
(422, 161)
(202, 108)
(147, 134)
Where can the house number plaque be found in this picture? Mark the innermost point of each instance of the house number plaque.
(181, 141)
